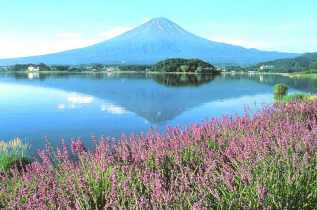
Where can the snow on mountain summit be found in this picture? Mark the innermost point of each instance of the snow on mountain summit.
(154, 40)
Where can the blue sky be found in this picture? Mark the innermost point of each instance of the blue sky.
(37, 27)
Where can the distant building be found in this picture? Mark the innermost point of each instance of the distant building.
(32, 68)
(4, 68)
(110, 69)
(122, 61)
(263, 67)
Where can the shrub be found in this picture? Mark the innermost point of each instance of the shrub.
(12, 152)
(280, 89)
(278, 97)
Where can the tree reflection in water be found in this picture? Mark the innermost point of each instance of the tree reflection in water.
(180, 80)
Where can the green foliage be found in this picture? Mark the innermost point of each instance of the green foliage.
(278, 97)
(134, 67)
(24, 67)
(97, 66)
(60, 68)
(78, 68)
(199, 69)
(280, 88)
(233, 68)
(296, 96)
(184, 68)
(184, 65)
(44, 67)
(310, 71)
(296, 64)
(313, 66)
(12, 152)
(19, 67)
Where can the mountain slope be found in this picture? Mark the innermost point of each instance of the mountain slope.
(153, 41)
(295, 64)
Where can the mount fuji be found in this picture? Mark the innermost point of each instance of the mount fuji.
(155, 40)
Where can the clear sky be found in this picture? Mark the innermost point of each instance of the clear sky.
(35, 27)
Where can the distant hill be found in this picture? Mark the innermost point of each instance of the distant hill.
(313, 65)
(184, 65)
(295, 64)
(155, 40)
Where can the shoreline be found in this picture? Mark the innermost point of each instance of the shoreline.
(157, 72)
(69, 72)
(300, 75)
(102, 72)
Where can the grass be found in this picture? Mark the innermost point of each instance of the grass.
(294, 97)
(298, 96)
(262, 160)
(12, 152)
(312, 73)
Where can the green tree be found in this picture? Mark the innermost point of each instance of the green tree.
(199, 69)
(44, 67)
(184, 68)
(97, 66)
(183, 65)
(313, 65)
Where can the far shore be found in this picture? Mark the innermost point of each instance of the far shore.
(158, 72)
(68, 72)
(296, 74)
(104, 72)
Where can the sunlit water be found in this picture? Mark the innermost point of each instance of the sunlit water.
(77, 105)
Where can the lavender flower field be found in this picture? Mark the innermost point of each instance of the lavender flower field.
(262, 160)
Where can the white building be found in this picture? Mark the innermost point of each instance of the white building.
(266, 67)
(31, 68)
(110, 69)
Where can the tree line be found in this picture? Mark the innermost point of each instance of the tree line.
(184, 65)
(296, 64)
(78, 68)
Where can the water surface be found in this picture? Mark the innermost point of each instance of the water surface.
(77, 105)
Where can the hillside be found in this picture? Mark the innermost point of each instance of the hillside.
(155, 40)
(313, 65)
(295, 64)
(184, 65)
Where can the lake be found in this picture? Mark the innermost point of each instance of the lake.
(34, 105)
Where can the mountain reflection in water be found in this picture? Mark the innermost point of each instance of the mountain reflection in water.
(79, 104)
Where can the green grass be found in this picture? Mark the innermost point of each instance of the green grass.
(308, 73)
(294, 96)
(12, 152)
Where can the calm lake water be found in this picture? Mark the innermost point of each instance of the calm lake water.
(77, 105)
